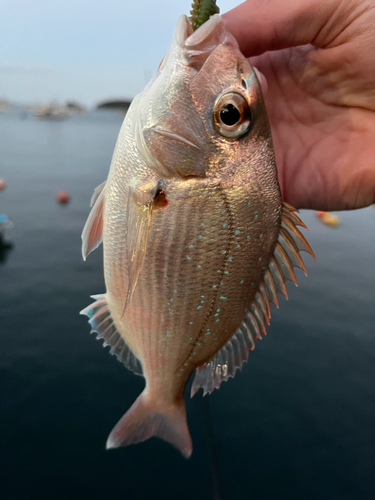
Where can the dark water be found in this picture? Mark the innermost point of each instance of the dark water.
(297, 423)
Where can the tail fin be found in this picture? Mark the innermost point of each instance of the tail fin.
(146, 419)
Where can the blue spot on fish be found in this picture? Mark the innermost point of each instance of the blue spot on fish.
(260, 258)
(230, 259)
(261, 236)
(255, 217)
(199, 307)
(241, 281)
(198, 265)
(226, 272)
(191, 246)
(238, 246)
(202, 296)
(223, 298)
(218, 310)
(237, 231)
(225, 225)
(218, 319)
(191, 323)
(200, 236)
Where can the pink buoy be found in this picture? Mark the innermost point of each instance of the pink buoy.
(63, 197)
(2, 184)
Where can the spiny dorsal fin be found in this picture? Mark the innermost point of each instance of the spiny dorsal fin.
(92, 233)
(102, 323)
(235, 352)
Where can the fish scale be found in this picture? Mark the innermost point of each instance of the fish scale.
(197, 242)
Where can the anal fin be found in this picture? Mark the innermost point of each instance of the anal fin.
(102, 323)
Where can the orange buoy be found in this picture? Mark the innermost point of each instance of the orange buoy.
(320, 214)
(328, 218)
(63, 197)
(2, 184)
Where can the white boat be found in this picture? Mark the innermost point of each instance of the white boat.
(51, 111)
(4, 106)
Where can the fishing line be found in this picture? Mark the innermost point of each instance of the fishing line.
(212, 449)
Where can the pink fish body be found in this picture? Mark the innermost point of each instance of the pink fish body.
(197, 242)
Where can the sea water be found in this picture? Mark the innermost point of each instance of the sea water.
(297, 423)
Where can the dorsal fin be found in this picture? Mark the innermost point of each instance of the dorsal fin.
(92, 233)
(102, 323)
(235, 352)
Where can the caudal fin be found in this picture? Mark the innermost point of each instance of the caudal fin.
(146, 419)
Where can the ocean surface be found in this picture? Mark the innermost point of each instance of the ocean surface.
(297, 423)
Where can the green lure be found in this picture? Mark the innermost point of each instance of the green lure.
(201, 11)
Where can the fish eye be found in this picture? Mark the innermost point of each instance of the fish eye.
(232, 115)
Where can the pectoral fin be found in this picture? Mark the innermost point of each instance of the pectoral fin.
(138, 224)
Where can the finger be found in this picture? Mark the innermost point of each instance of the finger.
(264, 25)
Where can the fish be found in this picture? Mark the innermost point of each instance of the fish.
(197, 242)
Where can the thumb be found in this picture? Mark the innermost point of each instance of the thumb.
(263, 25)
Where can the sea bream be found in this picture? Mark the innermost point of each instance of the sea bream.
(197, 241)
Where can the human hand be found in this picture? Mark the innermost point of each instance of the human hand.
(321, 94)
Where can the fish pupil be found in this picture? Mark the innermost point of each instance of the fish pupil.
(229, 115)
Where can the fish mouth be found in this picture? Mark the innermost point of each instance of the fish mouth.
(198, 45)
(183, 30)
(206, 36)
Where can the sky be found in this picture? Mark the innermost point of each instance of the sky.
(84, 50)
